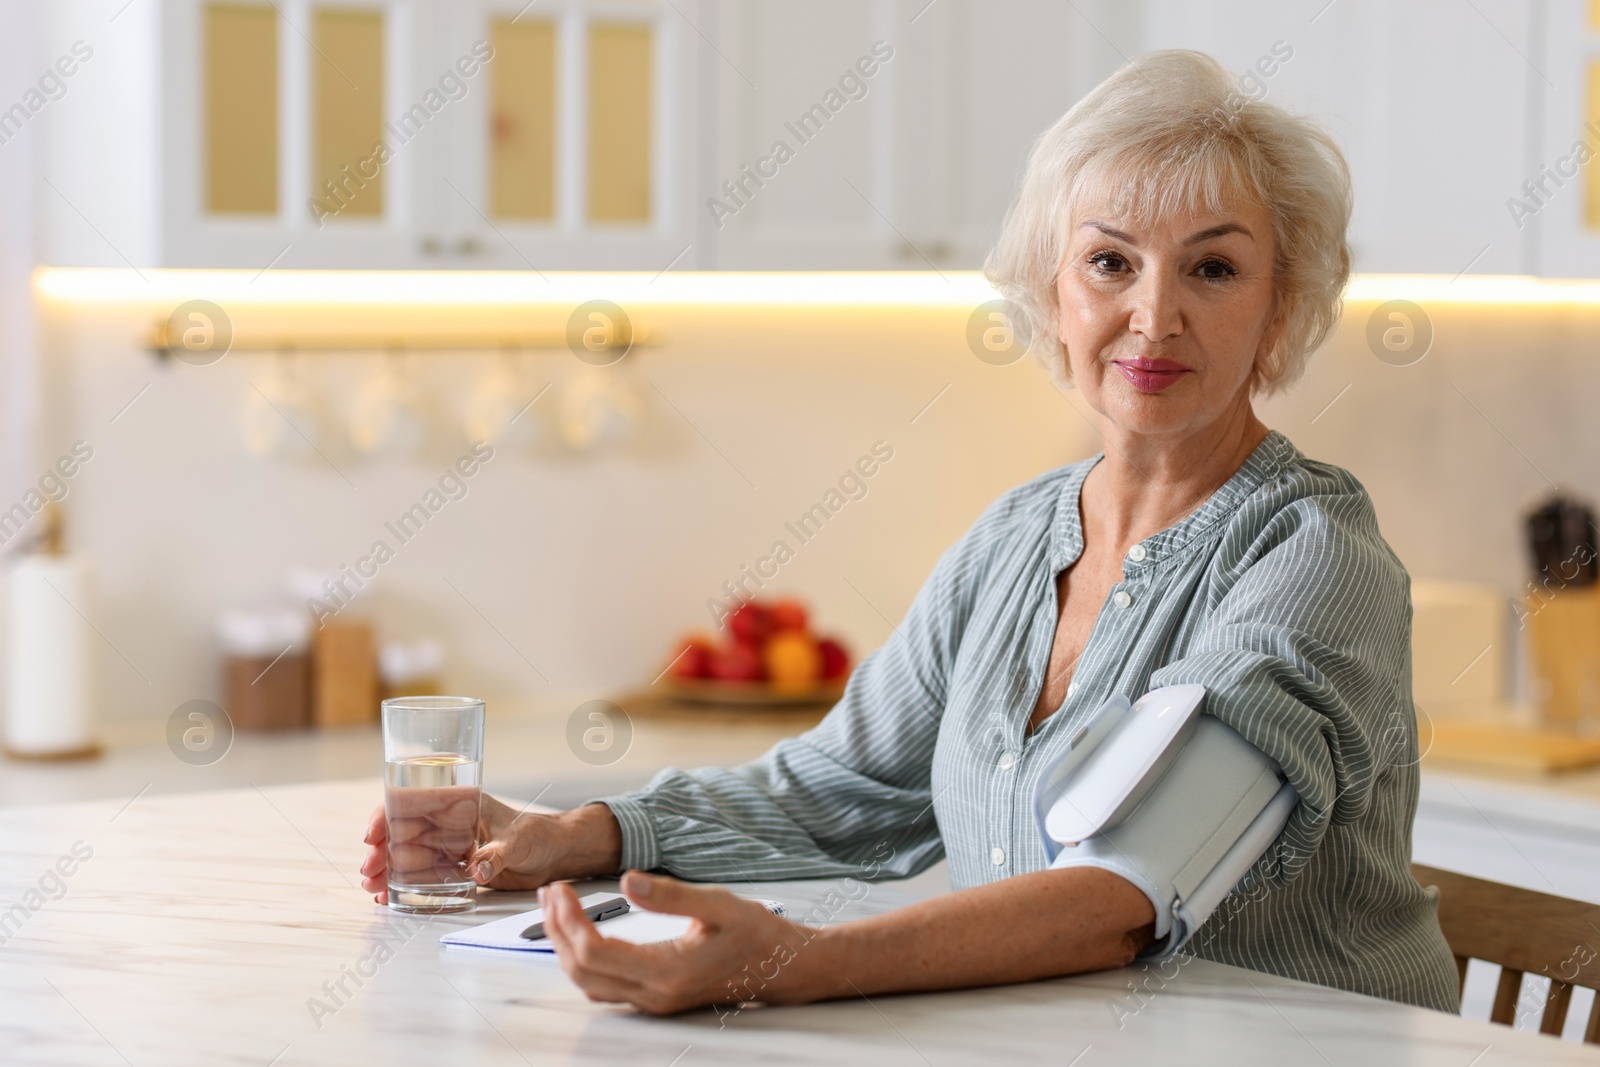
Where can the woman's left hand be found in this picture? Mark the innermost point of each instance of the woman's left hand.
(735, 950)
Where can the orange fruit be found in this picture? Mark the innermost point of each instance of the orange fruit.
(794, 662)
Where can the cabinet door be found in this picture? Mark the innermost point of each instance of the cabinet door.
(97, 201)
(277, 136)
(1446, 129)
(1559, 206)
(1428, 99)
(887, 134)
(991, 79)
(579, 149)
(805, 165)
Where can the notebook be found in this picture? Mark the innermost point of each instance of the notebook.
(638, 926)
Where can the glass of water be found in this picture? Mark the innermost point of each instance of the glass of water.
(433, 785)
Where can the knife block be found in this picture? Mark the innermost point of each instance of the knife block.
(1564, 635)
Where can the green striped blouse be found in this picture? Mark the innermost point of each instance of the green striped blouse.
(1279, 595)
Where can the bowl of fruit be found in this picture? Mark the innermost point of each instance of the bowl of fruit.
(767, 655)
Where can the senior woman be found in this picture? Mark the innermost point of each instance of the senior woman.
(1177, 250)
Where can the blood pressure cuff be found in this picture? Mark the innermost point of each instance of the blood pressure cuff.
(1176, 802)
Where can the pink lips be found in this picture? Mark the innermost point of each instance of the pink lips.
(1151, 375)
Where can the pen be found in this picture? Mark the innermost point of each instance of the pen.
(600, 911)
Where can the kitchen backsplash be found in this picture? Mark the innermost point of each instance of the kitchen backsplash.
(548, 572)
(555, 573)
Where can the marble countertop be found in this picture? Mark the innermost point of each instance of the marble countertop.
(528, 748)
(216, 928)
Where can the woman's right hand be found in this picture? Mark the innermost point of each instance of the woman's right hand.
(518, 849)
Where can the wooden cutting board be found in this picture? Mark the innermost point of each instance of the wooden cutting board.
(1511, 745)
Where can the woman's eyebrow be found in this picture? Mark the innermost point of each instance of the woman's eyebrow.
(1203, 235)
(1218, 231)
(1107, 230)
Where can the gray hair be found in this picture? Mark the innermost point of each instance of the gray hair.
(1171, 133)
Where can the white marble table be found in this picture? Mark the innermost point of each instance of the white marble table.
(203, 925)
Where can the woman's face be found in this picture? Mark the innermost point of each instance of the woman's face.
(1163, 320)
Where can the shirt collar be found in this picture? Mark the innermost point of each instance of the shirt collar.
(1268, 458)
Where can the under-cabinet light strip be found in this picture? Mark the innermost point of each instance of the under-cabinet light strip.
(953, 289)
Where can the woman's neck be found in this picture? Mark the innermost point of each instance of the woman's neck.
(1148, 482)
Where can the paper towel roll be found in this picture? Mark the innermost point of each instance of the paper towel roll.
(50, 675)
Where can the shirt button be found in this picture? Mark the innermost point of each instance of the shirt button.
(997, 856)
(1136, 553)
(1121, 599)
(1007, 761)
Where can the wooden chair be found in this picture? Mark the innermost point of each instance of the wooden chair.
(1524, 932)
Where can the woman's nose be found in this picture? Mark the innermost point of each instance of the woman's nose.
(1155, 313)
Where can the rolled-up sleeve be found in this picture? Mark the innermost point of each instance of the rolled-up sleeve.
(1307, 656)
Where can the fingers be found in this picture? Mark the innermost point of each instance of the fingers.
(375, 876)
(420, 864)
(488, 861)
(406, 858)
(654, 893)
(576, 939)
(663, 978)
(458, 810)
(426, 834)
(375, 865)
(404, 829)
(374, 870)
(514, 848)
(457, 844)
(452, 804)
(421, 850)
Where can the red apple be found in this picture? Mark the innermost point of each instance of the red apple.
(787, 615)
(693, 659)
(737, 662)
(835, 660)
(749, 624)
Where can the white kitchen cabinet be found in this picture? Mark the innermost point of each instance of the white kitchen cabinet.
(1428, 99)
(279, 228)
(800, 162)
(427, 97)
(916, 162)
(770, 148)
(1559, 207)
(579, 233)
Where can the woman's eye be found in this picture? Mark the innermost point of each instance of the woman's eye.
(1107, 262)
(1215, 270)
